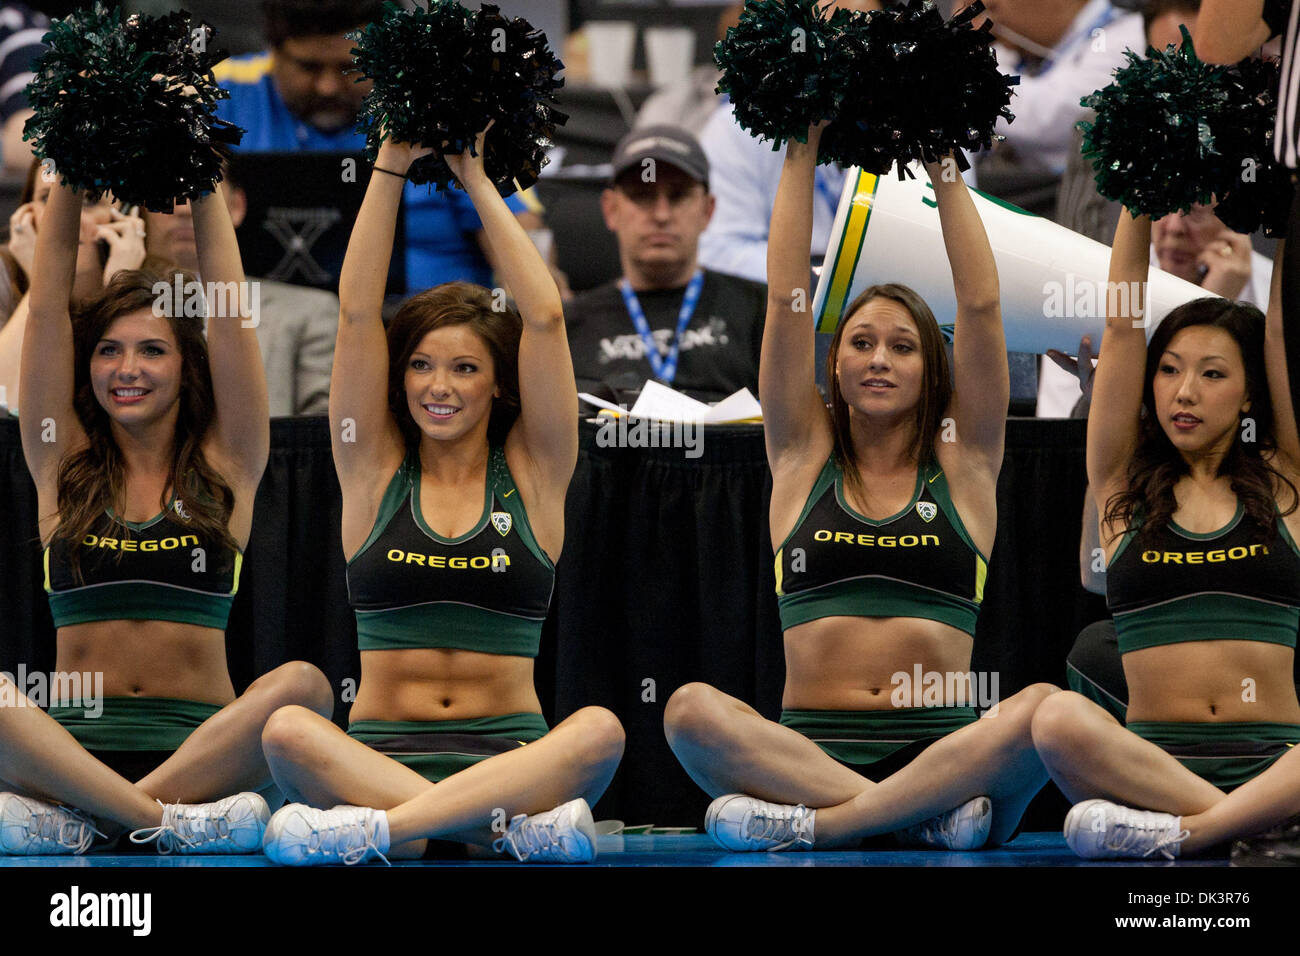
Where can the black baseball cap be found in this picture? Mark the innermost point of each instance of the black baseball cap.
(666, 144)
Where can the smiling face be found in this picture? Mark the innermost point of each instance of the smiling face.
(136, 369)
(450, 381)
(879, 364)
(1199, 390)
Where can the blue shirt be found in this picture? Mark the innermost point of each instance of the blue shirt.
(440, 228)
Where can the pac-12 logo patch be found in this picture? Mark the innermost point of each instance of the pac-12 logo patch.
(179, 507)
(927, 510)
(501, 521)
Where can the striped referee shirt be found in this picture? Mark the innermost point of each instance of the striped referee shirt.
(1281, 17)
(21, 30)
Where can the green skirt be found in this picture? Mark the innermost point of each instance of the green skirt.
(134, 723)
(1227, 755)
(877, 743)
(436, 749)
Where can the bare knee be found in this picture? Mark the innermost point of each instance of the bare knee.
(288, 733)
(1021, 706)
(300, 683)
(602, 735)
(1063, 723)
(692, 713)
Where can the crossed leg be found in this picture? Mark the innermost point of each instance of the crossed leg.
(315, 762)
(728, 747)
(1090, 754)
(223, 755)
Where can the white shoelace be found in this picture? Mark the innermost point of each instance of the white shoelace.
(528, 838)
(186, 826)
(1138, 828)
(787, 826)
(345, 833)
(76, 833)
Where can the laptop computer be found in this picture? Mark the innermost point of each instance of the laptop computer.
(301, 207)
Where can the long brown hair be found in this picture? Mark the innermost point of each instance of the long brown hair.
(93, 480)
(936, 381)
(456, 303)
(1157, 465)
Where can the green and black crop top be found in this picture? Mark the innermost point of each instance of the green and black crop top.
(487, 590)
(158, 570)
(919, 563)
(1183, 586)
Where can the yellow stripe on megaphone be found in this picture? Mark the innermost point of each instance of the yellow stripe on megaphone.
(1053, 281)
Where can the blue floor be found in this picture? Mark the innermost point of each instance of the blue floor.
(1029, 849)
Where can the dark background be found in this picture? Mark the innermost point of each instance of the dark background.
(666, 576)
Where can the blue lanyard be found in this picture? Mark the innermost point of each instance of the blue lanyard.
(664, 368)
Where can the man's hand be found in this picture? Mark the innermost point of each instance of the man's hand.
(1226, 261)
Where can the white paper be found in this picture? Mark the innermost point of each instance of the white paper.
(658, 402)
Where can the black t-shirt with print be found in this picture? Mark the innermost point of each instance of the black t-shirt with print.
(719, 350)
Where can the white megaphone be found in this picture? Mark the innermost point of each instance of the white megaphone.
(1053, 281)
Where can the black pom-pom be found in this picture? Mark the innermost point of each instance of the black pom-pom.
(1153, 145)
(1260, 190)
(113, 112)
(923, 89)
(442, 73)
(779, 69)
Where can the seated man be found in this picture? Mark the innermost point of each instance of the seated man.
(298, 96)
(666, 318)
(1062, 50)
(296, 325)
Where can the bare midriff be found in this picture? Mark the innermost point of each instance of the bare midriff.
(433, 683)
(853, 663)
(1212, 681)
(149, 659)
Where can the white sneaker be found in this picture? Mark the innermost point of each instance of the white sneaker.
(738, 822)
(566, 834)
(966, 828)
(1099, 830)
(31, 827)
(232, 825)
(299, 835)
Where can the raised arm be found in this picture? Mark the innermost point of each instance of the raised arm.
(1229, 30)
(367, 442)
(241, 429)
(982, 381)
(1279, 376)
(546, 431)
(1121, 365)
(795, 425)
(48, 378)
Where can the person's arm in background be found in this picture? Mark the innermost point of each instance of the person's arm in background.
(1093, 581)
(736, 240)
(1230, 30)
